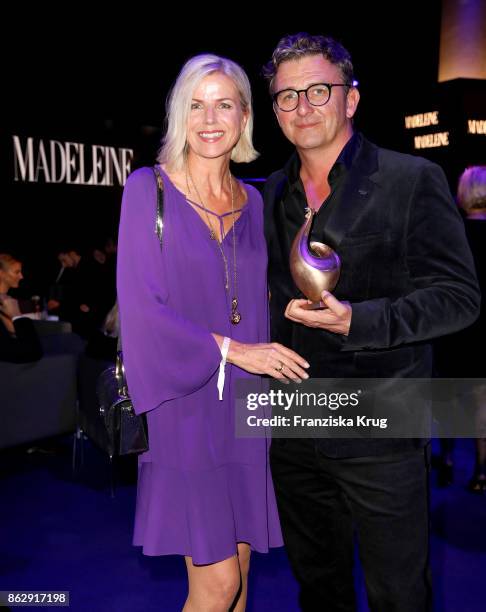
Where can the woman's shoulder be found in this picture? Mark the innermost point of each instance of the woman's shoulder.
(139, 195)
(140, 186)
(141, 177)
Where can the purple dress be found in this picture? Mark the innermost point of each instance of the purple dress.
(200, 489)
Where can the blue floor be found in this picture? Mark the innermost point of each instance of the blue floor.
(64, 533)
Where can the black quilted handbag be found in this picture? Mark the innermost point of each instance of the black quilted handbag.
(127, 431)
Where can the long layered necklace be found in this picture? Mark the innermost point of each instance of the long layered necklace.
(235, 316)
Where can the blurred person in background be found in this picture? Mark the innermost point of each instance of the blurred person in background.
(77, 295)
(456, 354)
(19, 342)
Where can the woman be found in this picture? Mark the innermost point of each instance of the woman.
(202, 492)
(19, 342)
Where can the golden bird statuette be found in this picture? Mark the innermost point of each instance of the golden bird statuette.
(314, 266)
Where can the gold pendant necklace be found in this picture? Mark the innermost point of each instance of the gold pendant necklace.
(235, 316)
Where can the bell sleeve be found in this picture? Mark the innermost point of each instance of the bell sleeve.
(165, 355)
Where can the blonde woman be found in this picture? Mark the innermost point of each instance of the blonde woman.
(184, 306)
(19, 342)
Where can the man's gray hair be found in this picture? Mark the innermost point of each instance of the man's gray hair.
(296, 46)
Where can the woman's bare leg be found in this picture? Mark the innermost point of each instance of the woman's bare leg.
(214, 587)
(221, 586)
(244, 563)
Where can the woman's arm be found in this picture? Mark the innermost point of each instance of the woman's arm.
(166, 356)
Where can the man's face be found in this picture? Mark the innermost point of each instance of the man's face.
(315, 127)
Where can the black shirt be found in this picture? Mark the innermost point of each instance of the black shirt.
(295, 198)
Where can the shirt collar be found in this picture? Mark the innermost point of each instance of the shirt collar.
(342, 164)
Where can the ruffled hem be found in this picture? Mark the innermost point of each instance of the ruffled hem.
(204, 514)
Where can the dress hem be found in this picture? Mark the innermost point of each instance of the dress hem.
(206, 562)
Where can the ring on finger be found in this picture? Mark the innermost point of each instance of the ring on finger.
(280, 367)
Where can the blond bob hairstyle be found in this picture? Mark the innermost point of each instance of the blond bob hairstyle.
(174, 144)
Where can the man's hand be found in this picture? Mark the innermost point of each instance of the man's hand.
(335, 317)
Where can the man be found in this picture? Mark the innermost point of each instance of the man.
(407, 276)
(76, 295)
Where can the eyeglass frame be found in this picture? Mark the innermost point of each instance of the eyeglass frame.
(299, 91)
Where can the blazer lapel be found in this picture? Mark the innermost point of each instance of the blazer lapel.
(353, 198)
(352, 203)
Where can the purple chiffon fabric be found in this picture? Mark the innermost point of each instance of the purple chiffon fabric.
(201, 490)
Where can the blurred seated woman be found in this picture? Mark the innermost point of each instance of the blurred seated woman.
(457, 354)
(471, 197)
(19, 342)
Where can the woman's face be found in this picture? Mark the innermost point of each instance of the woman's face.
(12, 275)
(216, 119)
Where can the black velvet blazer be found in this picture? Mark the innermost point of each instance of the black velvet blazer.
(407, 269)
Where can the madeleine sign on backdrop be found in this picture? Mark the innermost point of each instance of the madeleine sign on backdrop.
(72, 163)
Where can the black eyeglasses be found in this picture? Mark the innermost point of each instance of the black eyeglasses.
(317, 95)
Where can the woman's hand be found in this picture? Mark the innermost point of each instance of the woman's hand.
(273, 359)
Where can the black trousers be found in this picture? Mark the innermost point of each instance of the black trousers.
(322, 501)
